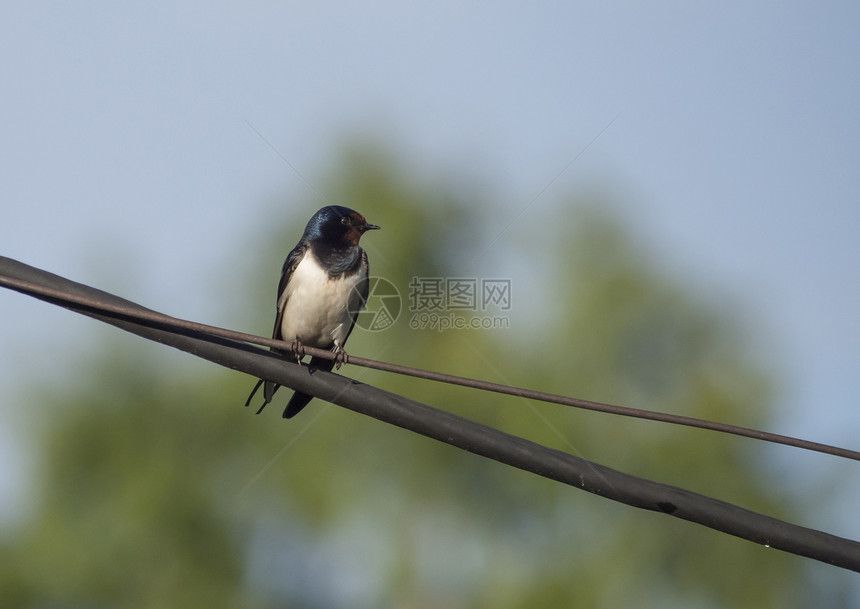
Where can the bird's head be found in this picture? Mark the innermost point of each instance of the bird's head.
(337, 224)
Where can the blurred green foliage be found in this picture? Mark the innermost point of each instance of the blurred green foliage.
(159, 490)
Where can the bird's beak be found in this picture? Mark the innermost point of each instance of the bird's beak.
(371, 226)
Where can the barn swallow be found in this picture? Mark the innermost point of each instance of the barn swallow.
(324, 284)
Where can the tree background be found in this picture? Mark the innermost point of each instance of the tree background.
(684, 173)
(155, 488)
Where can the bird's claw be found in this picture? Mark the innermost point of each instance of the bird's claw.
(340, 358)
(298, 350)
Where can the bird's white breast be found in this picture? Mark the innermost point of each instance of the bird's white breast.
(316, 305)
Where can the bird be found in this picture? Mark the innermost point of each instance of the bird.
(324, 284)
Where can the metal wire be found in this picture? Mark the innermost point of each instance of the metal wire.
(442, 426)
(134, 312)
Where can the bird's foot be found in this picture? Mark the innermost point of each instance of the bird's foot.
(340, 358)
(298, 350)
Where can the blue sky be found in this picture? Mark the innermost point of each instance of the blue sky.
(733, 139)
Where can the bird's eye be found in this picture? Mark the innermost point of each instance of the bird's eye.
(344, 220)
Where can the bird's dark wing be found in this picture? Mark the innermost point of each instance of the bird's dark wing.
(290, 264)
(358, 299)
